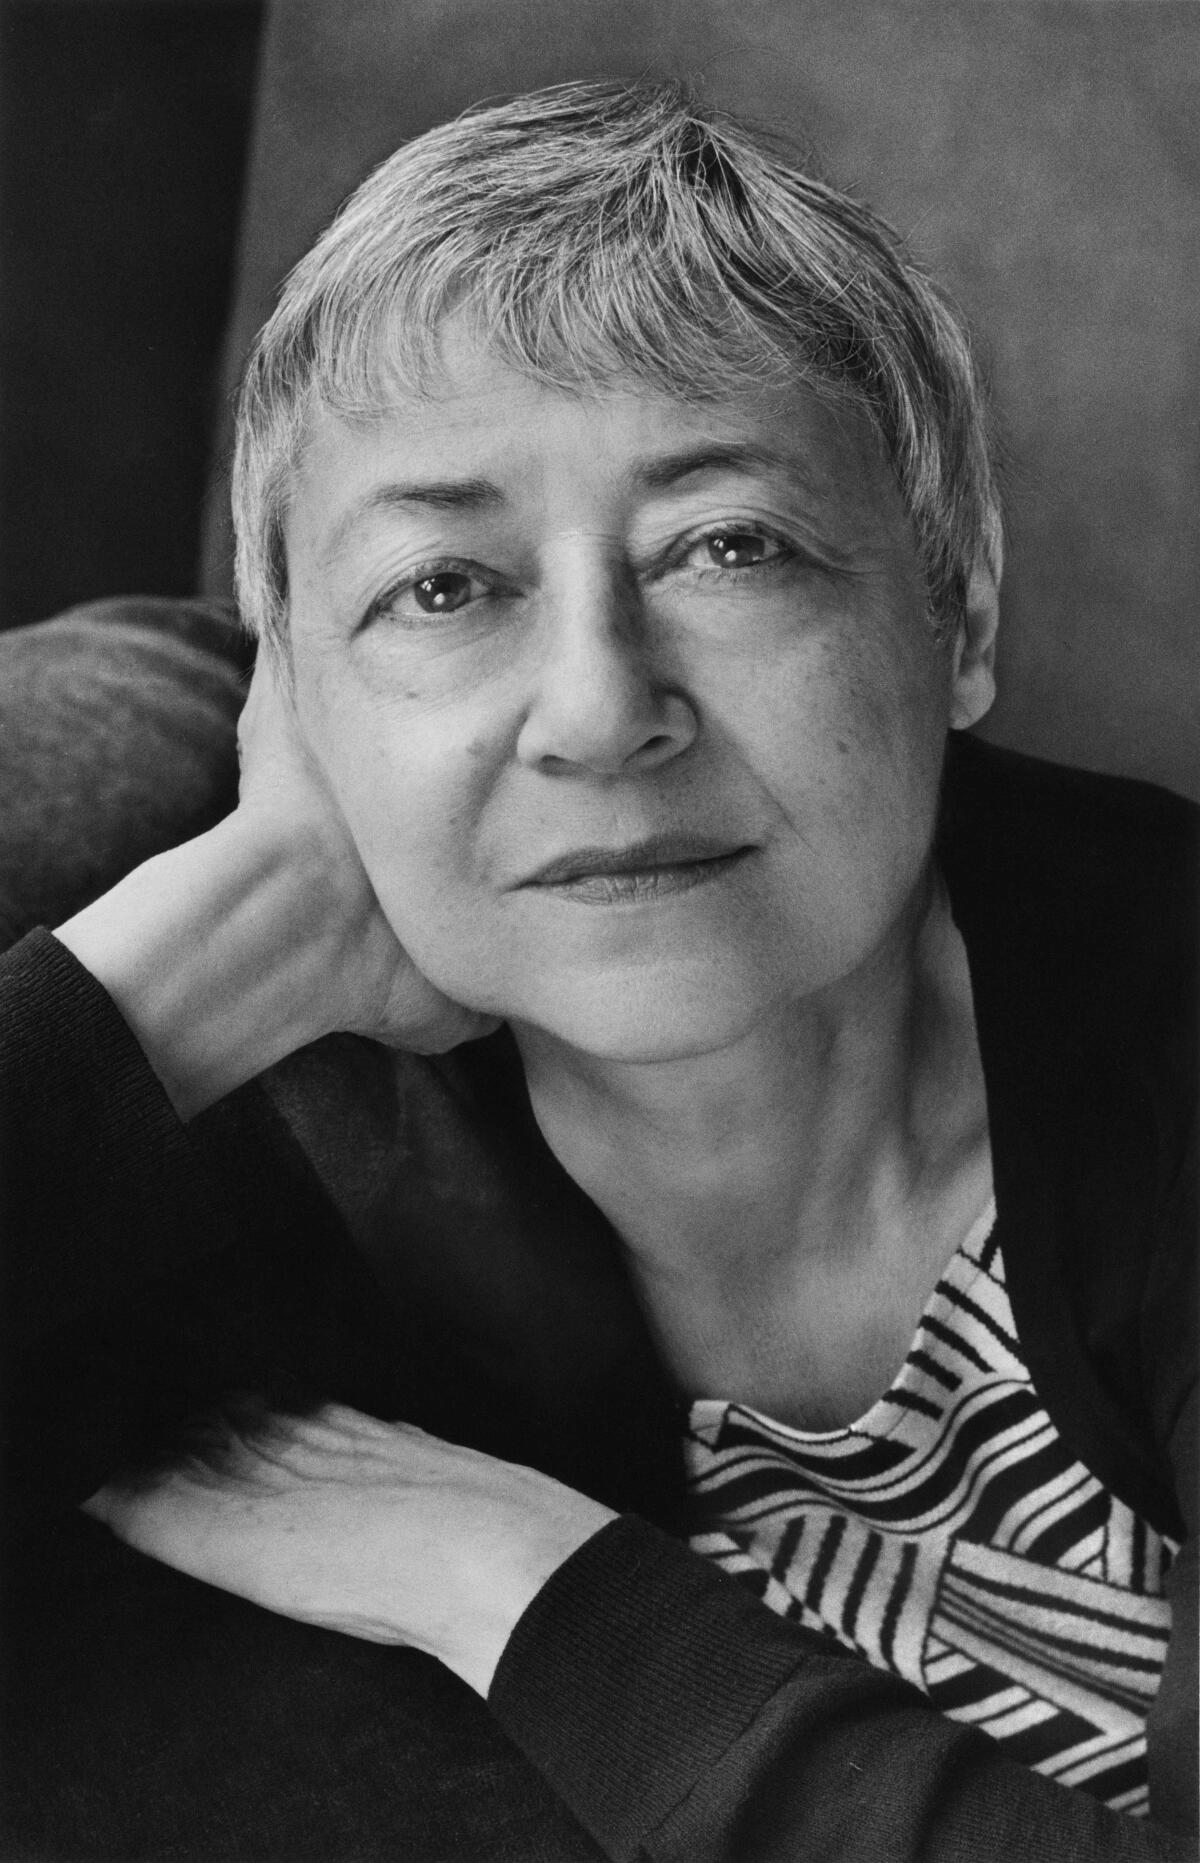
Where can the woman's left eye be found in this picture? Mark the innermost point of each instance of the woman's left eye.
(735, 547)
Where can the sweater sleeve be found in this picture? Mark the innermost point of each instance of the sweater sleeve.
(106, 1205)
(682, 1721)
(100, 1182)
(155, 1276)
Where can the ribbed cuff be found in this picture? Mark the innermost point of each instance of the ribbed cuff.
(631, 1674)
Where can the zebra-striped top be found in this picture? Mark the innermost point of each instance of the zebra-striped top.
(949, 1536)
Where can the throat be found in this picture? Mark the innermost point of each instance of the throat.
(815, 1341)
(789, 1201)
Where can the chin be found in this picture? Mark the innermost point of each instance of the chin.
(641, 1020)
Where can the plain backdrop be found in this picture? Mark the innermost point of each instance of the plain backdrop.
(123, 131)
(1042, 156)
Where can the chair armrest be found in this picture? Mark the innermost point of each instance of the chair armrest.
(118, 725)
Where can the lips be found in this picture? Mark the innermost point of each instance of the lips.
(641, 870)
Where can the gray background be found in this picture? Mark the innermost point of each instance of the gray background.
(1042, 155)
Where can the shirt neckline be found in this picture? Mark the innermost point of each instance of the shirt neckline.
(881, 1417)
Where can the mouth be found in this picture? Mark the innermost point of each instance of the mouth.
(640, 873)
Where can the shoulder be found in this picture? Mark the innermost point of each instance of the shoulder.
(1079, 897)
(1011, 817)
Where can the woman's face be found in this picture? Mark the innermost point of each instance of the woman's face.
(632, 705)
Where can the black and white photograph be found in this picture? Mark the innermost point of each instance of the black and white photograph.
(599, 931)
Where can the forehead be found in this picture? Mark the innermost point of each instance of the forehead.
(482, 437)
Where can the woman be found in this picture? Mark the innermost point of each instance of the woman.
(616, 516)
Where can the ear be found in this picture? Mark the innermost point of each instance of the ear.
(973, 668)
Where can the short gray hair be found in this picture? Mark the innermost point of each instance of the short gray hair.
(605, 231)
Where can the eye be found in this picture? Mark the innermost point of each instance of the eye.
(734, 547)
(442, 593)
(436, 590)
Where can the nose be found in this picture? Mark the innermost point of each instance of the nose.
(599, 703)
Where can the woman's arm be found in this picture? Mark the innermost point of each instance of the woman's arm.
(678, 1718)
(683, 1722)
(99, 1183)
(375, 1529)
(235, 949)
(710, 1730)
(195, 973)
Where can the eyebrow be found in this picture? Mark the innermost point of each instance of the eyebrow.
(659, 474)
(668, 469)
(423, 495)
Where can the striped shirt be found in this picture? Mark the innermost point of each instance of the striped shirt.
(950, 1537)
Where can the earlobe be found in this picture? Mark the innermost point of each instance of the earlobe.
(973, 672)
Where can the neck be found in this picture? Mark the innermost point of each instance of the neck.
(808, 1137)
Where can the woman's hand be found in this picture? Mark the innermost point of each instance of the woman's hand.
(245, 944)
(374, 1529)
(373, 988)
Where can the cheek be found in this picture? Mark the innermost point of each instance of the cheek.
(858, 740)
(409, 780)
(892, 680)
(865, 707)
(411, 808)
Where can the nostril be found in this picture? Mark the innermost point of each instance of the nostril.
(654, 749)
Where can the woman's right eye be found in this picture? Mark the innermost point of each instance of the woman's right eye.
(435, 593)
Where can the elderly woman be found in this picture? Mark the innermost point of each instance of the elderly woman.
(770, 1124)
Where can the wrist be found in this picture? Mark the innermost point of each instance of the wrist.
(218, 954)
(507, 1586)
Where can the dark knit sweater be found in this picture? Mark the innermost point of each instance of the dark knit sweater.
(393, 1232)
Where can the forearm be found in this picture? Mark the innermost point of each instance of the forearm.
(682, 1721)
(147, 1269)
(102, 1195)
(217, 957)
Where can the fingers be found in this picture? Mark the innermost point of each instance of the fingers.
(268, 729)
(384, 996)
(448, 1027)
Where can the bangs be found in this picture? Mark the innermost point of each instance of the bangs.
(577, 272)
(579, 328)
(604, 234)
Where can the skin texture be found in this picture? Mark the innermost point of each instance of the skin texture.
(591, 691)
(526, 625)
(372, 1529)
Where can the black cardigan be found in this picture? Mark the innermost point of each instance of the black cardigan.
(392, 1231)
